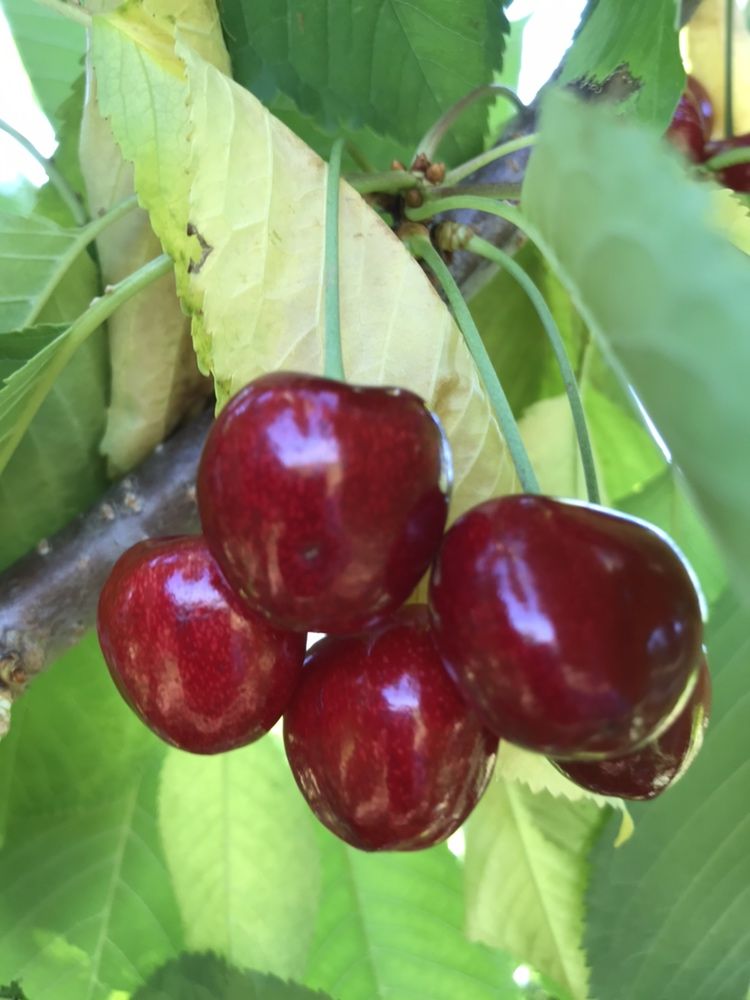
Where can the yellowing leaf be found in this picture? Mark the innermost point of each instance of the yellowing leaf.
(208, 153)
(704, 46)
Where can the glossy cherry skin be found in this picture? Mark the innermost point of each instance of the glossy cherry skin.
(384, 749)
(200, 668)
(702, 100)
(574, 631)
(652, 770)
(685, 131)
(737, 177)
(324, 503)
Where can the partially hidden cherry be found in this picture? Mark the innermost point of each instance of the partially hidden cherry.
(200, 668)
(702, 100)
(650, 771)
(383, 747)
(324, 503)
(737, 177)
(685, 131)
(574, 631)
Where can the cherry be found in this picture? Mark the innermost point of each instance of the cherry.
(384, 749)
(200, 668)
(685, 131)
(702, 100)
(573, 630)
(737, 177)
(324, 503)
(650, 771)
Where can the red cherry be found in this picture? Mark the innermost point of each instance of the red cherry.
(324, 503)
(200, 668)
(685, 131)
(702, 100)
(648, 773)
(573, 630)
(737, 177)
(384, 749)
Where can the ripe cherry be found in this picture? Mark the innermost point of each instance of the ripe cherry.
(383, 747)
(324, 503)
(685, 131)
(200, 668)
(737, 177)
(573, 630)
(702, 100)
(650, 771)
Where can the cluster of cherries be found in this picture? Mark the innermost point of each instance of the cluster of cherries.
(690, 131)
(562, 627)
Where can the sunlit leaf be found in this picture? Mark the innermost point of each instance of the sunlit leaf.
(615, 212)
(391, 926)
(242, 852)
(669, 913)
(526, 871)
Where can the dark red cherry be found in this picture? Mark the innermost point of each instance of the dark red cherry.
(737, 177)
(685, 131)
(702, 100)
(383, 747)
(200, 668)
(650, 771)
(324, 503)
(573, 630)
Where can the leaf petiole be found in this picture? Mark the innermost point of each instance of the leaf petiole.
(489, 156)
(385, 182)
(333, 356)
(477, 202)
(728, 158)
(421, 247)
(434, 136)
(72, 11)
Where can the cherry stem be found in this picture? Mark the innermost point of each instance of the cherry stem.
(57, 180)
(73, 13)
(385, 182)
(728, 68)
(489, 156)
(476, 202)
(432, 138)
(333, 356)
(729, 158)
(475, 244)
(422, 248)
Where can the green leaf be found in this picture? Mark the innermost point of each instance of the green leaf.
(18, 348)
(615, 213)
(51, 48)
(663, 502)
(35, 255)
(208, 977)
(390, 65)
(241, 849)
(669, 913)
(86, 906)
(638, 43)
(526, 871)
(391, 926)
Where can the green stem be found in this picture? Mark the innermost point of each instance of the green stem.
(385, 182)
(333, 357)
(87, 234)
(62, 187)
(481, 247)
(729, 158)
(728, 68)
(489, 156)
(476, 202)
(359, 158)
(78, 14)
(497, 192)
(64, 347)
(432, 139)
(421, 247)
